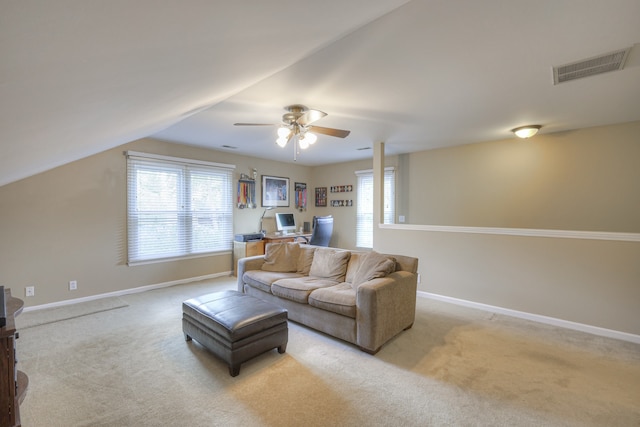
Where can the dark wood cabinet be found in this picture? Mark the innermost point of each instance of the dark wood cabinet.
(13, 383)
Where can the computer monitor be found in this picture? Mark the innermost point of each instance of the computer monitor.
(285, 222)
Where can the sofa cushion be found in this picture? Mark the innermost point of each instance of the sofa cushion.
(330, 264)
(263, 279)
(281, 257)
(339, 299)
(305, 259)
(354, 264)
(298, 289)
(373, 265)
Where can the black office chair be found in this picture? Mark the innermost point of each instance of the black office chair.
(322, 230)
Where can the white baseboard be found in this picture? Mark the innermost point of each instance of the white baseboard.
(127, 291)
(595, 330)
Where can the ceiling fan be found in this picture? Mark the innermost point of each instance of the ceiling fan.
(297, 125)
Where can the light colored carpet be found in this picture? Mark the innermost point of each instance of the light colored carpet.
(456, 367)
(66, 312)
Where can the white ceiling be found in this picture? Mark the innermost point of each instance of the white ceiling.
(78, 77)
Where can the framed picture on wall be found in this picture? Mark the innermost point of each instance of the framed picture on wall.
(321, 196)
(275, 191)
(300, 189)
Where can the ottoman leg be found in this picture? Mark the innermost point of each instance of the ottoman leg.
(187, 337)
(282, 348)
(234, 370)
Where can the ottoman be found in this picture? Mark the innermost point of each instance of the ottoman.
(234, 326)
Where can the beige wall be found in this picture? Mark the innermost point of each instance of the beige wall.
(593, 282)
(344, 232)
(582, 180)
(344, 226)
(586, 179)
(70, 224)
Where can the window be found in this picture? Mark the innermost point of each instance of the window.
(177, 208)
(364, 205)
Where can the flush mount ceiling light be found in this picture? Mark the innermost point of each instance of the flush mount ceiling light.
(297, 124)
(526, 131)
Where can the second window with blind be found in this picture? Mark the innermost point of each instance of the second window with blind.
(364, 205)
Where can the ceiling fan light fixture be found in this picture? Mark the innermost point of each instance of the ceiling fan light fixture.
(310, 138)
(283, 131)
(295, 126)
(526, 131)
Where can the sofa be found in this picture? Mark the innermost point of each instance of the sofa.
(364, 298)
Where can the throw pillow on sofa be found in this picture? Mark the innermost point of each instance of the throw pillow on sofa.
(305, 259)
(281, 257)
(373, 266)
(330, 264)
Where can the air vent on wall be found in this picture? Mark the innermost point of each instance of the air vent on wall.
(611, 61)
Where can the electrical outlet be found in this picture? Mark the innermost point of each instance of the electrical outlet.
(73, 285)
(419, 278)
(29, 291)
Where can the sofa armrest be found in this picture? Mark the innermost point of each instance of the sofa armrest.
(385, 307)
(246, 264)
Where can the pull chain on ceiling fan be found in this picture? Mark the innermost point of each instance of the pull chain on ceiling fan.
(297, 125)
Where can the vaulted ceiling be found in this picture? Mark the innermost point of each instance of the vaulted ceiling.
(78, 78)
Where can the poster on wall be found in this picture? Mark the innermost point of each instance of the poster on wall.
(275, 191)
(300, 189)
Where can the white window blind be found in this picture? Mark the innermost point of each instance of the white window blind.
(177, 207)
(364, 205)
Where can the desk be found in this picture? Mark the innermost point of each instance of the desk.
(246, 249)
(282, 238)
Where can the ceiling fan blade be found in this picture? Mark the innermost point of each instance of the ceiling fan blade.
(310, 116)
(254, 124)
(330, 131)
